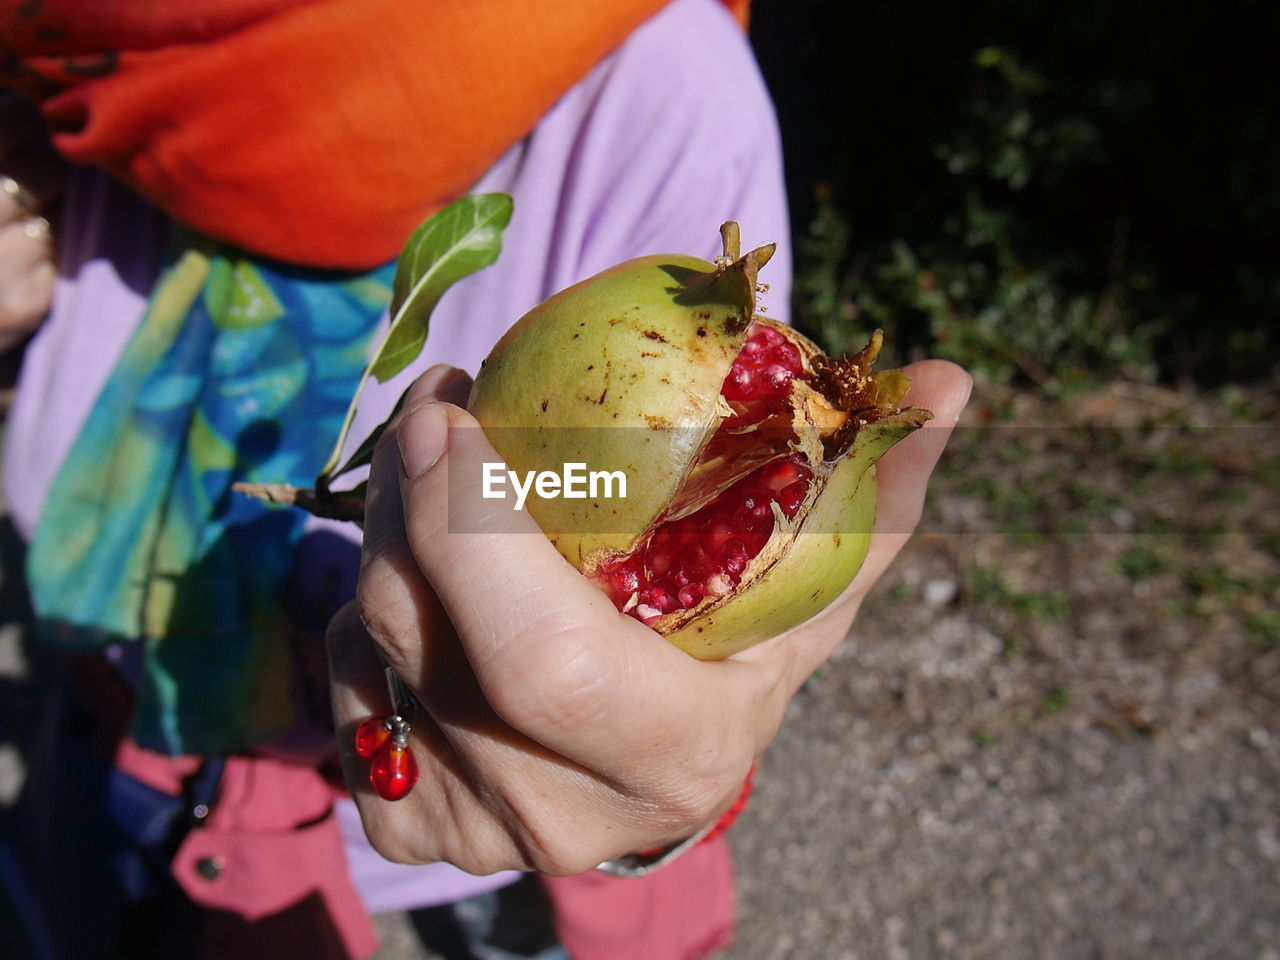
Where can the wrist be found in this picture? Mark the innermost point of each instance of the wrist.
(646, 861)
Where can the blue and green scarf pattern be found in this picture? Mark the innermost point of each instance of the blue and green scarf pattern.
(240, 370)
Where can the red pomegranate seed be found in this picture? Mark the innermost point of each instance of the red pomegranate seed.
(659, 597)
(659, 561)
(785, 354)
(790, 498)
(734, 557)
(755, 540)
(690, 596)
(776, 378)
(781, 473)
(767, 336)
(741, 384)
(753, 511)
(626, 577)
(717, 529)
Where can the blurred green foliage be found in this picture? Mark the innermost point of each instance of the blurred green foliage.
(1043, 193)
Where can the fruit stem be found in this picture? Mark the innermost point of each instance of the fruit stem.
(330, 507)
(731, 237)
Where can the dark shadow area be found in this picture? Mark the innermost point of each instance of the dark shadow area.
(1114, 166)
(515, 918)
(84, 850)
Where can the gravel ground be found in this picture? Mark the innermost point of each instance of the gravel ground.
(1065, 843)
(867, 838)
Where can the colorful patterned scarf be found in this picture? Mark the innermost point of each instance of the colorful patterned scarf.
(239, 371)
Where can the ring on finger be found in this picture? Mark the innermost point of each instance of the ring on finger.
(36, 227)
(23, 198)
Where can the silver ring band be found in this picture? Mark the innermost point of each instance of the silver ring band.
(36, 227)
(23, 198)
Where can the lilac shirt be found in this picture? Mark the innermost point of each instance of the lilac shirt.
(663, 141)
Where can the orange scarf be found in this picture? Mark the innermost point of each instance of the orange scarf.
(319, 133)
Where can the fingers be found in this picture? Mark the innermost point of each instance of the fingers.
(27, 277)
(401, 608)
(441, 382)
(445, 817)
(31, 176)
(902, 477)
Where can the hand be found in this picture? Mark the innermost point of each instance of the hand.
(557, 733)
(30, 179)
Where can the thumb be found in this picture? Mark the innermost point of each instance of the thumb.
(441, 382)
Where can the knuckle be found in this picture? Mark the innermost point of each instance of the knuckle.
(559, 855)
(477, 858)
(394, 843)
(390, 610)
(552, 678)
(552, 839)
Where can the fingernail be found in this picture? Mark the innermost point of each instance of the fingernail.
(441, 382)
(422, 435)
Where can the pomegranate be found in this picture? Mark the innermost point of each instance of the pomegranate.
(749, 454)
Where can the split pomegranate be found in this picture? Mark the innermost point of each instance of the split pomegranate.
(749, 455)
(705, 553)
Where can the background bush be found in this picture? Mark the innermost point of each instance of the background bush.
(1043, 192)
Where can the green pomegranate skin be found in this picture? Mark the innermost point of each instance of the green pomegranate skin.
(644, 346)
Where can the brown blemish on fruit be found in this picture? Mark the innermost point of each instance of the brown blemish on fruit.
(837, 539)
(657, 423)
(603, 393)
(645, 354)
(544, 406)
(655, 335)
(614, 321)
(591, 366)
(702, 331)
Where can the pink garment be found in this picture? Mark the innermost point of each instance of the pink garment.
(270, 841)
(599, 917)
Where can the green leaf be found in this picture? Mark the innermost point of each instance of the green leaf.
(364, 453)
(464, 237)
(459, 240)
